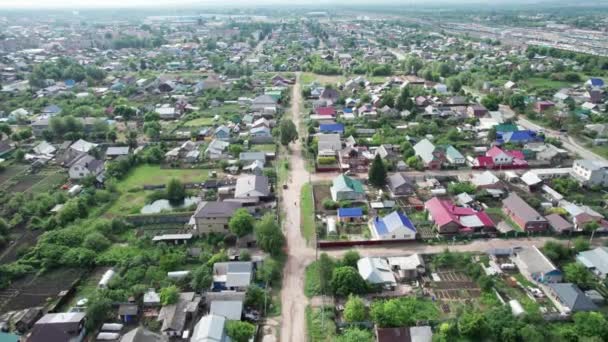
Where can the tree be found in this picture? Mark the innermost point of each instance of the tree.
(350, 258)
(517, 101)
(269, 235)
(241, 222)
(255, 297)
(347, 280)
(591, 227)
(471, 324)
(404, 100)
(19, 155)
(578, 274)
(169, 295)
(491, 102)
(414, 162)
(591, 324)
(355, 335)
(6, 129)
(377, 172)
(270, 270)
(99, 308)
(531, 333)
(176, 192)
(556, 251)
(454, 84)
(581, 244)
(97, 242)
(239, 331)
(288, 132)
(354, 310)
(202, 277)
(460, 187)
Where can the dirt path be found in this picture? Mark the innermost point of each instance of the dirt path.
(299, 255)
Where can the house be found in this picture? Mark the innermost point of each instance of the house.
(117, 151)
(542, 106)
(51, 110)
(498, 158)
(376, 271)
(127, 313)
(262, 102)
(535, 266)
(486, 180)
(166, 112)
(330, 95)
(329, 142)
(210, 328)
(559, 224)
(222, 133)
(526, 217)
(590, 172)
(394, 226)
(596, 260)
(326, 111)
(518, 137)
(404, 334)
(24, 320)
(260, 132)
(400, 185)
(350, 214)
(230, 309)
(59, 327)
(39, 126)
(250, 157)
(346, 188)
(251, 188)
(595, 82)
(232, 275)
(431, 157)
(476, 111)
(570, 297)
(86, 166)
(451, 219)
(453, 156)
(408, 268)
(215, 149)
(151, 299)
(213, 217)
(336, 128)
(82, 146)
(43, 148)
(174, 318)
(141, 334)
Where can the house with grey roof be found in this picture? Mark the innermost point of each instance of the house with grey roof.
(59, 327)
(174, 318)
(400, 185)
(251, 188)
(431, 157)
(141, 334)
(346, 188)
(230, 309)
(596, 260)
(535, 266)
(376, 271)
(570, 297)
(216, 149)
(210, 328)
(250, 157)
(329, 142)
(213, 217)
(232, 275)
(86, 166)
(117, 151)
(526, 217)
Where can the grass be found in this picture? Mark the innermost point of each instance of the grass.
(321, 327)
(199, 122)
(128, 203)
(307, 212)
(264, 147)
(309, 77)
(543, 84)
(601, 150)
(154, 175)
(312, 281)
(525, 282)
(50, 182)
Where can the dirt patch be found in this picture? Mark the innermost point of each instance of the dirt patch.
(26, 183)
(455, 286)
(27, 238)
(321, 192)
(10, 172)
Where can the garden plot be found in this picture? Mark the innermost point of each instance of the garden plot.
(454, 286)
(321, 192)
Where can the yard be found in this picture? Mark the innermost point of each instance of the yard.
(307, 212)
(264, 147)
(200, 122)
(155, 175)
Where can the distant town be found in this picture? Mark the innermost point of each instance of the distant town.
(341, 173)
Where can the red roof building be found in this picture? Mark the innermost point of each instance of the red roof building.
(329, 111)
(452, 219)
(497, 158)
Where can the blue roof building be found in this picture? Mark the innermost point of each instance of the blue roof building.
(332, 128)
(350, 213)
(394, 226)
(596, 82)
(518, 137)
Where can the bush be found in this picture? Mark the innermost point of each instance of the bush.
(326, 160)
(330, 204)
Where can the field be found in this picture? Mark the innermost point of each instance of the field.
(307, 212)
(155, 175)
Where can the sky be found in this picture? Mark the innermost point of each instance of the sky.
(80, 4)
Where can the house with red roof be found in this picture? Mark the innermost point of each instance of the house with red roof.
(328, 111)
(496, 158)
(452, 219)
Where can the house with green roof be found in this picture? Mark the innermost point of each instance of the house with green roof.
(454, 156)
(506, 127)
(346, 188)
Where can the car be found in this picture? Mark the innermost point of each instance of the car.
(284, 186)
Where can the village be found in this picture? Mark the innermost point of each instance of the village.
(298, 178)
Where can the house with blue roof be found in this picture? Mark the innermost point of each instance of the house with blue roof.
(337, 128)
(518, 137)
(350, 214)
(394, 226)
(51, 110)
(595, 82)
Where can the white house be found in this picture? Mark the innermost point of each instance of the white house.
(376, 271)
(394, 226)
(590, 172)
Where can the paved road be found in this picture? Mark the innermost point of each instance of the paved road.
(299, 254)
(568, 142)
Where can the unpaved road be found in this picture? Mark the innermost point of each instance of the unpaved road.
(299, 254)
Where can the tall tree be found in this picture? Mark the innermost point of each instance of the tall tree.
(269, 235)
(176, 192)
(354, 310)
(288, 132)
(377, 173)
(241, 222)
(347, 280)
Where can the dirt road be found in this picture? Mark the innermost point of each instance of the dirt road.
(299, 255)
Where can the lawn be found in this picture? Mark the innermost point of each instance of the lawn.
(542, 84)
(264, 147)
(154, 175)
(307, 213)
(205, 121)
(128, 203)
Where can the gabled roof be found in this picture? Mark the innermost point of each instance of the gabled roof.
(330, 128)
(392, 222)
(596, 258)
(572, 296)
(251, 186)
(596, 82)
(535, 260)
(350, 212)
(210, 329)
(445, 212)
(424, 149)
(376, 271)
(345, 183)
(519, 207)
(216, 209)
